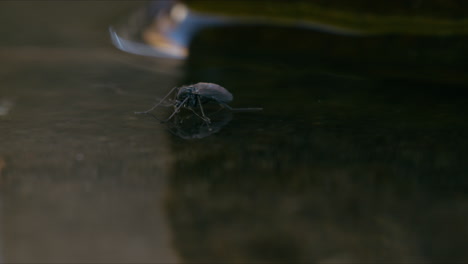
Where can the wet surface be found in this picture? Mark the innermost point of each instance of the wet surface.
(356, 157)
(83, 179)
(345, 164)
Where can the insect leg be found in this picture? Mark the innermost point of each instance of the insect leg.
(177, 109)
(195, 113)
(240, 109)
(205, 118)
(156, 105)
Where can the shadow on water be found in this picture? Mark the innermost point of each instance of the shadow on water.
(348, 162)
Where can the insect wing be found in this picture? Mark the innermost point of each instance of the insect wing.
(214, 91)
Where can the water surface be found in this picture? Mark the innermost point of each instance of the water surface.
(358, 156)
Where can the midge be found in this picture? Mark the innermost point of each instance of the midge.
(195, 96)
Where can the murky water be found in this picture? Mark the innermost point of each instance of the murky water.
(358, 156)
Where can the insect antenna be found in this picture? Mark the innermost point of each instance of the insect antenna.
(156, 105)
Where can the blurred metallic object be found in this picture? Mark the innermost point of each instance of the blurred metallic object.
(165, 28)
(162, 29)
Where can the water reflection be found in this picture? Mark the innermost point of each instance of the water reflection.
(186, 125)
(337, 168)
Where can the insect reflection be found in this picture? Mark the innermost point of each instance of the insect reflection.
(189, 126)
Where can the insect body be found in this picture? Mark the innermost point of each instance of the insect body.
(195, 96)
(203, 93)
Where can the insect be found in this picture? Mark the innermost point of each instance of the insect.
(195, 96)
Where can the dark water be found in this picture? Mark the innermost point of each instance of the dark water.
(345, 164)
(358, 156)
